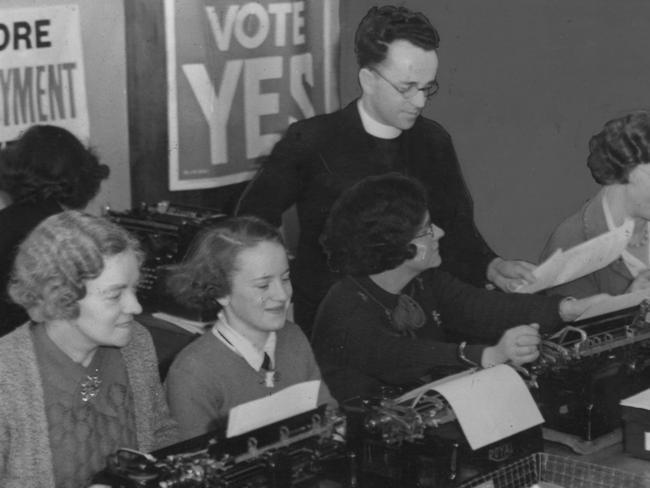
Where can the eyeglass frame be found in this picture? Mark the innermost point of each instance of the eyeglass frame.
(428, 94)
(429, 231)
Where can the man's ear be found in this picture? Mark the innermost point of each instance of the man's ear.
(366, 80)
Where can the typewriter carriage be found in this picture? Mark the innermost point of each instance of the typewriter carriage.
(289, 453)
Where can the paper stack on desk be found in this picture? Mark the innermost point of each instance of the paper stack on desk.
(636, 422)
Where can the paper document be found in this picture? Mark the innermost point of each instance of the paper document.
(490, 404)
(186, 324)
(564, 266)
(613, 303)
(640, 400)
(416, 393)
(291, 401)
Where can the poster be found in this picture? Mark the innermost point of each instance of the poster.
(238, 73)
(42, 77)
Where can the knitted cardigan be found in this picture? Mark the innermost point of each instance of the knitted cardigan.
(25, 455)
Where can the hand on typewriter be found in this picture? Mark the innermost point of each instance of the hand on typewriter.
(518, 345)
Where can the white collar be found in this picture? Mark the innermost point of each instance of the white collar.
(633, 264)
(242, 346)
(375, 128)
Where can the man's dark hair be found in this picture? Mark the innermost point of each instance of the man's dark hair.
(372, 224)
(383, 25)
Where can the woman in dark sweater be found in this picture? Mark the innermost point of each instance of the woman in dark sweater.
(393, 318)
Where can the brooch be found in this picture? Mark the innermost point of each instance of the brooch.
(90, 387)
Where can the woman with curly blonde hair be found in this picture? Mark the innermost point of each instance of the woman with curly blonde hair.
(79, 379)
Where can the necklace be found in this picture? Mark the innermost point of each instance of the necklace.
(90, 386)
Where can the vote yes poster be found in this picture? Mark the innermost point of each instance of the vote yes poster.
(42, 78)
(238, 73)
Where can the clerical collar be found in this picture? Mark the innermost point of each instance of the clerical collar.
(242, 346)
(374, 128)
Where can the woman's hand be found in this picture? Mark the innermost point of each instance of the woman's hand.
(641, 282)
(571, 308)
(518, 345)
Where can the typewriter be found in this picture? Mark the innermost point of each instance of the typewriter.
(585, 369)
(292, 453)
(166, 232)
(418, 443)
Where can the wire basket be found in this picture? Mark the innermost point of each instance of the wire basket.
(542, 470)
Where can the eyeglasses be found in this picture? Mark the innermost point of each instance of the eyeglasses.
(411, 90)
(429, 230)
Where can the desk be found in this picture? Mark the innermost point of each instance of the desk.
(169, 339)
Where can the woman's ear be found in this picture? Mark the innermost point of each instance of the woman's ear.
(413, 250)
(223, 301)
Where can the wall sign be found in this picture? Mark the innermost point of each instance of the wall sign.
(239, 73)
(42, 77)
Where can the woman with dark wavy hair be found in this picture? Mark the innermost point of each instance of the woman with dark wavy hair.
(252, 350)
(619, 160)
(80, 379)
(44, 172)
(394, 319)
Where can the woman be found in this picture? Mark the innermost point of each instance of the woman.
(390, 320)
(619, 157)
(45, 171)
(80, 379)
(252, 350)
